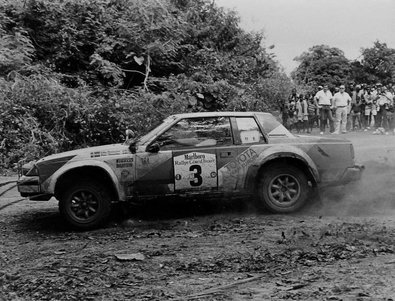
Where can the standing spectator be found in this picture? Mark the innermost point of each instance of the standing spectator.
(303, 103)
(284, 108)
(368, 98)
(390, 117)
(323, 98)
(301, 113)
(354, 98)
(355, 114)
(291, 115)
(312, 113)
(341, 101)
(384, 100)
(361, 97)
(374, 113)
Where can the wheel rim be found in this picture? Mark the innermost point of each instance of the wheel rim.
(84, 205)
(284, 190)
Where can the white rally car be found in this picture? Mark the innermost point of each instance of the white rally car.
(248, 153)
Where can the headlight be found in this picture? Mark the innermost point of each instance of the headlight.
(33, 171)
(28, 169)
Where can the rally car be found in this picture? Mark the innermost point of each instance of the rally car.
(192, 154)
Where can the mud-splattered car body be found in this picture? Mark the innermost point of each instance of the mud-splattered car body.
(194, 153)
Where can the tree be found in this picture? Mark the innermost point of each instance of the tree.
(379, 63)
(321, 64)
(83, 71)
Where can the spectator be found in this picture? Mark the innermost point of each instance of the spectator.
(374, 113)
(284, 108)
(368, 98)
(291, 115)
(312, 109)
(354, 98)
(341, 101)
(305, 121)
(384, 101)
(361, 93)
(323, 98)
(355, 114)
(301, 113)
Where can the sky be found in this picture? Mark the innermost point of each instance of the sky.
(293, 26)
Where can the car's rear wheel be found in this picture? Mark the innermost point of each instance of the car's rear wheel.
(85, 205)
(282, 189)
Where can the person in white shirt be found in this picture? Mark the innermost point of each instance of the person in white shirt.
(341, 101)
(323, 98)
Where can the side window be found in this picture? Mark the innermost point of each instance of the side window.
(249, 130)
(273, 127)
(197, 132)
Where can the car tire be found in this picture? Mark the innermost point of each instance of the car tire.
(86, 205)
(282, 189)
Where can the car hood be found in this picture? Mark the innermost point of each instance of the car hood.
(90, 152)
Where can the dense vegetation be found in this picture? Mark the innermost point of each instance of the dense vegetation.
(324, 64)
(77, 73)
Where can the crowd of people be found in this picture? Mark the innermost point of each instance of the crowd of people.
(360, 107)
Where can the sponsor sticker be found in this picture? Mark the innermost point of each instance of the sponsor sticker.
(195, 171)
(108, 153)
(122, 163)
(246, 158)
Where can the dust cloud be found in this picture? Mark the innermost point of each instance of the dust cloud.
(372, 196)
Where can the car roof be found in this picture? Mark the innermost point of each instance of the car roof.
(218, 114)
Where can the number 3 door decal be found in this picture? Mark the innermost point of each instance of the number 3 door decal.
(195, 171)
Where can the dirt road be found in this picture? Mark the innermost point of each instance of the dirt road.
(342, 249)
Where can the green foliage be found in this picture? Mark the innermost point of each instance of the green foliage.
(39, 116)
(16, 48)
(322, 65)
(379, 63)
(79, 73)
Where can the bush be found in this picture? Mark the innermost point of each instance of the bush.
(39, 116)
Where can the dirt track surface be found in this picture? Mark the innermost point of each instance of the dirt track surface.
(341, 249)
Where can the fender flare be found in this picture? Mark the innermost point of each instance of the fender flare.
(50, 184)
(284, 151)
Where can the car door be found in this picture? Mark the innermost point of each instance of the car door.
(202, 152)
(188, 159)
(249, 141)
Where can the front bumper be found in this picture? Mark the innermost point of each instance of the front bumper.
(29, 186)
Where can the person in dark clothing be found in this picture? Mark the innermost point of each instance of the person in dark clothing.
(285, 107)
(356, 115)
(312, 111)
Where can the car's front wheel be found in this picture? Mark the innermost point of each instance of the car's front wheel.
(85, 205)
(282, 189)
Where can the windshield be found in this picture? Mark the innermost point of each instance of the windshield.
(155, 129)
(272, 126)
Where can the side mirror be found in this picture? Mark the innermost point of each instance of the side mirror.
(153, 148)
(132, 147)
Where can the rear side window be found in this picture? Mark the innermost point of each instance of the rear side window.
(249, 130)
(272, 127)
